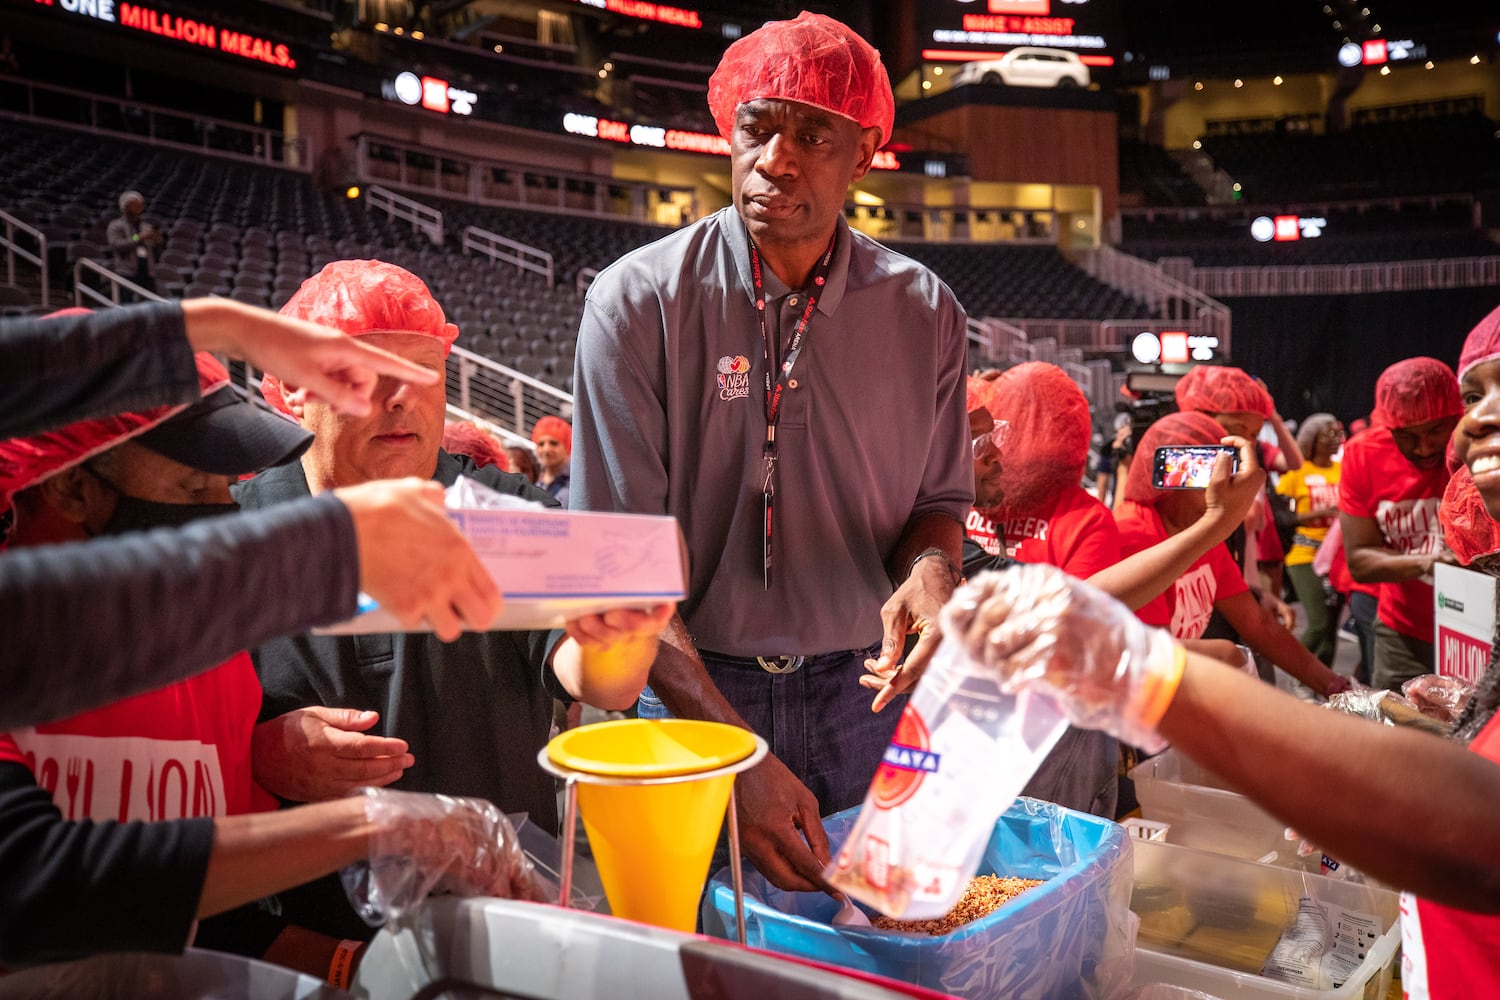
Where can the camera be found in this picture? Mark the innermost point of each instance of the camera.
(1155, 396)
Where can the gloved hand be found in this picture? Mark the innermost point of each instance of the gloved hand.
(1035, 625)
(422, 844)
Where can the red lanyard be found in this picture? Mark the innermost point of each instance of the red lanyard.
(778, 371)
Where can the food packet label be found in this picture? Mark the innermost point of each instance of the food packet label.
(963, 749)
(1323, 947)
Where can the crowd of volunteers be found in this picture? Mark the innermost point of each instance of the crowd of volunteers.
(798, 397)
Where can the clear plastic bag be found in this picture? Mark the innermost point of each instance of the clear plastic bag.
(962, 752)
(437, 843)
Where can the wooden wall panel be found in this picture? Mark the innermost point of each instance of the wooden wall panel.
(1031, 145)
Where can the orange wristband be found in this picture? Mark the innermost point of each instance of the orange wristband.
(341, 969)
(1158, 689)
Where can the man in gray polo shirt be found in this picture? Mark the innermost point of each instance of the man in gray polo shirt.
(824, 505)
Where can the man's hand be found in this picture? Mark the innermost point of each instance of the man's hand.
(333, 367)
(622, 625)
(606, 658)
(1279, 610)
(415, 562)
(913, 607)
(780, 830)
(317, 753)
(1445, 558)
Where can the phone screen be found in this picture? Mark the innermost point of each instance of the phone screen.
(1188, 467)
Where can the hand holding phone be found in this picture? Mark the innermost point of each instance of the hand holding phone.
(1189, 467)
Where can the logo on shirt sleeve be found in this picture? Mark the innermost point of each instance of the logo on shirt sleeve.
(734, 376)
(1193, 603)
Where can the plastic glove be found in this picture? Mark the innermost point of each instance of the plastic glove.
(1036, 625)
(423, 844)
(1438, 697)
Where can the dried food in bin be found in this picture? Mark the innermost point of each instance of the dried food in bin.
(982, 896)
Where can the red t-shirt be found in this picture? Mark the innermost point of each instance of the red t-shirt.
(1448, 953)
(1076, 533)
(1403, 500)
(1185, 607)
(179, 751)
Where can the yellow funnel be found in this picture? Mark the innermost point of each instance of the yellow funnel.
(652, 793)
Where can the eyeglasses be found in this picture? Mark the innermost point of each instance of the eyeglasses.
(995, 437)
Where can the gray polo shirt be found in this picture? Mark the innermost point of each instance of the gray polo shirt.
(669, 417)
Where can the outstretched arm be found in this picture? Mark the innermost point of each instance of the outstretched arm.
(1411, 809)
(1137, 579)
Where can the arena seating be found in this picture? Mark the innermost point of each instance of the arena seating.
(239, 230)
(1031, 282)
(1454, 153)
(1379, 231)
(1153, 177)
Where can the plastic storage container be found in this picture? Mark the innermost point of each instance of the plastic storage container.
(496, 948)
(1209, 921)
(190, 976)
(1165, 991)
(1204, 813)
(1068, 938)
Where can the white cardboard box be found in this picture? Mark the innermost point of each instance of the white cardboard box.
(1464, 619)
(553, 565)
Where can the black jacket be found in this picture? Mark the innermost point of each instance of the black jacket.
(84, 625)
(474, 712)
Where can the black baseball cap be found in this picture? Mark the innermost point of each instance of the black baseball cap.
(228, 433)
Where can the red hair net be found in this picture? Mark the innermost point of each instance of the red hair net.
(463, 438)
(1222, 389)
(1415, 391)
(25, 462)
(1468, 528)
(1174, 428)
(361, 297)
(554, 427)
(1047, 444)
(1482, 344)
(980, 392)
(812, 60)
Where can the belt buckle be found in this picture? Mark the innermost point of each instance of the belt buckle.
(780, 664)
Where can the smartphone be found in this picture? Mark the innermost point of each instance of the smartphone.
(1188, 466)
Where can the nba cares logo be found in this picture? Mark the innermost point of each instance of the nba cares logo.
(734, 376)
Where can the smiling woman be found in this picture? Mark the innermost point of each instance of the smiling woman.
(1476, 439)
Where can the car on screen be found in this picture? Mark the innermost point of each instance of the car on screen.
(1026, 66)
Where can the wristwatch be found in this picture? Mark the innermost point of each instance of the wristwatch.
(955, 575)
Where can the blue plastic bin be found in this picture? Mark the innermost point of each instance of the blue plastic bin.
(1071, 937)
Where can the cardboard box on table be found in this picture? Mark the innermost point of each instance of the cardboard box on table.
(553, 565)
(1464, 620)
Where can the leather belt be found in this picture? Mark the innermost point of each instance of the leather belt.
(785, 664)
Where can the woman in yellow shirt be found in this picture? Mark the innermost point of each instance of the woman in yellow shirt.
(1315, 488)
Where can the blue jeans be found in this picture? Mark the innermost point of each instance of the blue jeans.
(1363, 608)
(816, 719)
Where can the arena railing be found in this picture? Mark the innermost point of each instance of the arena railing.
(36, 257)
(1172, 299)
(91, 112)
(423, 218)
(501, 396)
(1340, 279)
(508, 251)
(479, 181)
(1326, 206)
(85, 294)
